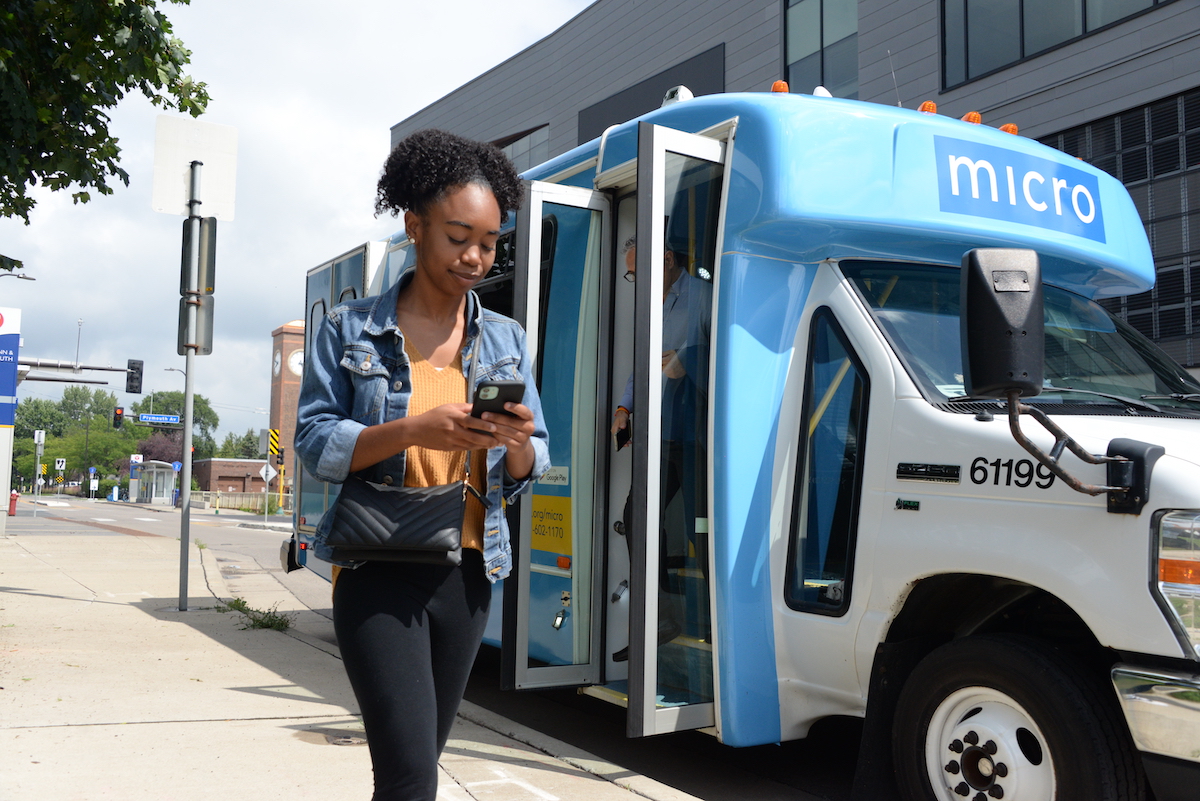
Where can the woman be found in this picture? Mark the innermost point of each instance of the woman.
(385, 397)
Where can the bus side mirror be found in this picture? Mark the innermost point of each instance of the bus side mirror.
(1002, 327)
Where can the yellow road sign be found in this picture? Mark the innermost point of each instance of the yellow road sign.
(274, 441)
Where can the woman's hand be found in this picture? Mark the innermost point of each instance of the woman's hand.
(443, 428)
(450, 427)
(513, 431)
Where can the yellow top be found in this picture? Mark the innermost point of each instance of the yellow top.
(426, 467)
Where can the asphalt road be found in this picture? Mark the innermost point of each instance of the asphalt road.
(819, 767)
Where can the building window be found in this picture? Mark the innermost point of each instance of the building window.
(528, 148)
(822, 46)
(982, 36)
(1155, 151)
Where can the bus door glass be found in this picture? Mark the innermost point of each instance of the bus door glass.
(552, 630)
(348, 277)
(673, 256)
(311, 492)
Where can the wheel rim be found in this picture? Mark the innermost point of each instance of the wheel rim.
(981, 745)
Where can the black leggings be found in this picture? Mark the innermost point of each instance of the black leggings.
(409, 634)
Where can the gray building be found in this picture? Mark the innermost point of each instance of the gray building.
(1114, 82)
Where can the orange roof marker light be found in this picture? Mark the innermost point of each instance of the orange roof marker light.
(928, 107)
(1009, 127)
(780, 86)
(973, 117)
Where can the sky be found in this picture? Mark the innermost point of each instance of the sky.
(312, 93)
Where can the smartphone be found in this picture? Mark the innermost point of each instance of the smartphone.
(623, 435)
(490, 396)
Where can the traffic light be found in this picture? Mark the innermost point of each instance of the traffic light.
(118, 416)
(133, 376)
(279, 456)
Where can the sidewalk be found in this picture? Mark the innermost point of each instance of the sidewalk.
(107, 691)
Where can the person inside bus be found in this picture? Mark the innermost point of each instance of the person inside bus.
(384, 396)
(687, 318)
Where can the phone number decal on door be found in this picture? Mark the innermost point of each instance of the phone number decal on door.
(551, 524)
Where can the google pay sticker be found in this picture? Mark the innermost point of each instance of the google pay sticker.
(557, 477)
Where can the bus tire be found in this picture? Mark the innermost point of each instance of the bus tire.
(1000, 716)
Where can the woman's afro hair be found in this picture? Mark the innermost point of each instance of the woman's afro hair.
(424, 166)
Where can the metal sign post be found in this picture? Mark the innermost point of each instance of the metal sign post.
(192, 281)
(179, 141)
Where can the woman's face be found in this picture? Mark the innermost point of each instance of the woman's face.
(456, 238)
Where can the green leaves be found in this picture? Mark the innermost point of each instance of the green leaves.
(62, 64)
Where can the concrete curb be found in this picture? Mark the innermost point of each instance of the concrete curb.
(575, 757)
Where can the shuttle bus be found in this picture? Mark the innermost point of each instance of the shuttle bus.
(887, 456)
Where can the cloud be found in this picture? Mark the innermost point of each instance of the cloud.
(312, 89)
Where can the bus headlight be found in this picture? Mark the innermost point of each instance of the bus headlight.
(1179, 571)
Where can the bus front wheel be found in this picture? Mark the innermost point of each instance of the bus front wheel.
(1005, 717)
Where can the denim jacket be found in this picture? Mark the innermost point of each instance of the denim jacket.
(356, 375)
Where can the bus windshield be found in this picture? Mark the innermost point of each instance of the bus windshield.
(1091, 356)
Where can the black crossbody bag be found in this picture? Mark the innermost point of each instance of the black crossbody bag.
(379, 522)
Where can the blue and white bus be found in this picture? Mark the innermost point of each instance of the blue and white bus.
(818, 511)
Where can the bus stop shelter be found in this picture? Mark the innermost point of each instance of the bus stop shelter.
(157, 483)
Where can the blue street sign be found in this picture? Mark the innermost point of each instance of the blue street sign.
(92, 470)
(176, 466)
(10, 339)
(158, 418)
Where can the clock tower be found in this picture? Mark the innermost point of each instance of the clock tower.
(287, 366)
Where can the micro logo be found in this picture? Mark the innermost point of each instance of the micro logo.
(986, 181)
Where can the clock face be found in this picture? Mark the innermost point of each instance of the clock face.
(296, 362)
(278, 363)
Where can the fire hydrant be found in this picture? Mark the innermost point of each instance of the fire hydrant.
(12, 503)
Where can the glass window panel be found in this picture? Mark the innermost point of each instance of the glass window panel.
(1141, 199)
(1172, 323)
(691, 197)
(1192, 188)
(1164, 119)
(348, 277)
(1108, 164)
(993, 34)
(1167, 196)
(1192, 148)
(805, 74)
(841, 68)
(822, 547)
(1051, 22)
(1168, 286)
(1102, 12)
(1104, 136)
(1134, 166)
(841, 20)
(1168, 237)
(1191, 111)
(803, 31)
(1111, 305)
(954, 47)
(1142, 300)
(1166, 156)
(1074, 142)
(563, 513)
(1194, 280)
(1133, 128)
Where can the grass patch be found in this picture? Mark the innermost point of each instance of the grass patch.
(258, 618)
